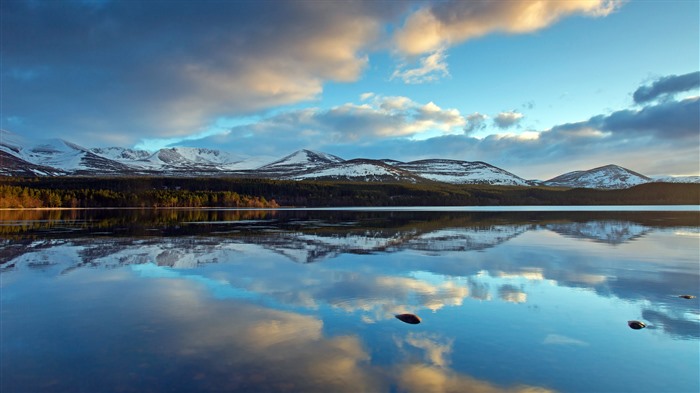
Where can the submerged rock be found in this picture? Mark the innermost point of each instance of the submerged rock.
(413, 319)
(687, 296)
(636, 325)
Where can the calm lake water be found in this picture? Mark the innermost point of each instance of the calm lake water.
(305, 301)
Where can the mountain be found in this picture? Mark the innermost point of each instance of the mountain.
(58, 157)
(676, 179)
(15, 166)
(359, 170)
(462, 172)
(608, 177)
(298, 162)
(121, 153)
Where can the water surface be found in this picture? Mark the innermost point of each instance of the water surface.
(304, 300)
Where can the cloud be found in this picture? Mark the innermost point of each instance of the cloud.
(475, 122)
(507, 119)
(425, 378)
(437, 26)
(667, 85)
(512, 294)
(667, 120)
(429, 68)
(432, 29)
(137, 69)
(399, 128)
(437, 350)
(377, 119)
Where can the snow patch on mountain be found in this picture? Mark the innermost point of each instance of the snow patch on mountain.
(11, 143)
(303, 159)
(57, 157)
(676, 179)
(359, 170)
(121, 154)
(606, 177)
(462, 172)
(56, 153)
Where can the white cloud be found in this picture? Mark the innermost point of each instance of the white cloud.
(376, 118)
(433, 28)
(507, 119)
(366, 96)
(429, 68)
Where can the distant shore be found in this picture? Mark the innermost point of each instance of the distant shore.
(83, 192)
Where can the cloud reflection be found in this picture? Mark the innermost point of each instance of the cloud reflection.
(420, 378)
(512, 294)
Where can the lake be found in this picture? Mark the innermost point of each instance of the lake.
(306, 300)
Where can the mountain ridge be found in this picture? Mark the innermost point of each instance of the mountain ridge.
(58, 157)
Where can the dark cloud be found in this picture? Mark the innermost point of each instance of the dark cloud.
(667, 85)
(475, 122)
(671, 119)
(158, 68)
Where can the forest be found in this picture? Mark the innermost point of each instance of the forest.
(84, 192)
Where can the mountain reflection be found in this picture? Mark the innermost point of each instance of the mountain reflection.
(612, 232)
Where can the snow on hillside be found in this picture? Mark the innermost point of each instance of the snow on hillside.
(676, 179)
(361, 170)
(205, 156)
(607, 177)
(462, 172)
(247, 164)
(303, 159)
(121, 153)
(11, 143)
(55, 157)
(56, 153)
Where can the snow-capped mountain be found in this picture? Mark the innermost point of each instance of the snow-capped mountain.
(609, 176)
(676, 179)
(121, 153)
(359, 170)
(462, 172)
(298, 162)
(58, 157)
(15, 166)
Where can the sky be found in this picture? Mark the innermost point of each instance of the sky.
(538, 88)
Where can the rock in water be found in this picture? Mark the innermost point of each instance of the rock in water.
(409, 318)
(687, 296)
(636, 325)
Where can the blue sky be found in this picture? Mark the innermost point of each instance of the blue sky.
(538, 88)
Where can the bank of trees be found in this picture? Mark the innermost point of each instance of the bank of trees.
(264, 193)
(13, 196)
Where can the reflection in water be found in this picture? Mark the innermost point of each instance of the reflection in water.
(612, 232)
(228, 301)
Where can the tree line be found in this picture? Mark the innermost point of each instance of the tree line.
(266, 193)
(28, 197)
